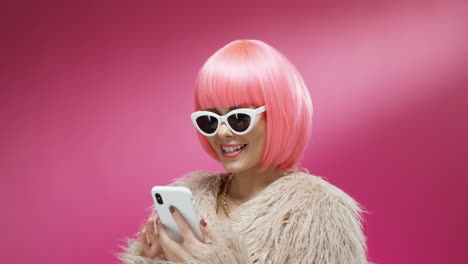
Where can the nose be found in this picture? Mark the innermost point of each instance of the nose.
(224, 130)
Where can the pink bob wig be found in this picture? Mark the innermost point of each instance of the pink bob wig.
(252, 73)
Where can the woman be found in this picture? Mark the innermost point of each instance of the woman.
(253, 113)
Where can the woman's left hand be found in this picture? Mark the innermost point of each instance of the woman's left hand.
(180, 252)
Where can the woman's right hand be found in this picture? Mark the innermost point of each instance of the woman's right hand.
(149, 239)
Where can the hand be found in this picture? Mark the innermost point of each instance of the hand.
(180, 252)
(149, 239)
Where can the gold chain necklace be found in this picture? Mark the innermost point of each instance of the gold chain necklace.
(223, 197)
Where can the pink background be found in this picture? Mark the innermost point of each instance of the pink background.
(95, 102)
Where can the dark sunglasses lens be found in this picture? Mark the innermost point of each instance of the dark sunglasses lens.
(207, 124)
(239, 122)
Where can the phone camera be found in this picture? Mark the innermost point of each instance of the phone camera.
(159, 199)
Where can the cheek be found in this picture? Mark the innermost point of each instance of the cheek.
(261, 132)
(259, 139)
(213, 145)
(211, 142)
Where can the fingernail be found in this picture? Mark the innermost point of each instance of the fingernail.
(171, 208)
(203, 222)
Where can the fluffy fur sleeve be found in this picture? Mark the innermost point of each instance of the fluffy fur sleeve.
(226, 249)
(329, 229)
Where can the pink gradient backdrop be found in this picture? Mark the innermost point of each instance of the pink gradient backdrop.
(95, 103)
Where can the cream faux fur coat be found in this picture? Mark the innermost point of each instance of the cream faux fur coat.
(299, 218)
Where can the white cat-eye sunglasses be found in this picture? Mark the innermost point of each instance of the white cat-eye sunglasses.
(240, 121)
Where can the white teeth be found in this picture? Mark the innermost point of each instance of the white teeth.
(232, 149)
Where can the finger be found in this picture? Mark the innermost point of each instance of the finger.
(169, 246)
(184, 228)
(149, 250)
(150, 229)
(155, 248)
(206, 231)
(143, 239)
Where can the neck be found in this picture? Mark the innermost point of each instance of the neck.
(249, 183)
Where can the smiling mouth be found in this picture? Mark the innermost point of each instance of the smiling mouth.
(232, 149)
(231, 152)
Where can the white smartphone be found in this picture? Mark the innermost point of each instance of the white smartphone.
(180, 198)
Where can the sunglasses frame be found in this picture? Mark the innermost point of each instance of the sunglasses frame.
(247, 111)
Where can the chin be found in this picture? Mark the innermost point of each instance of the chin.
(233, 168)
